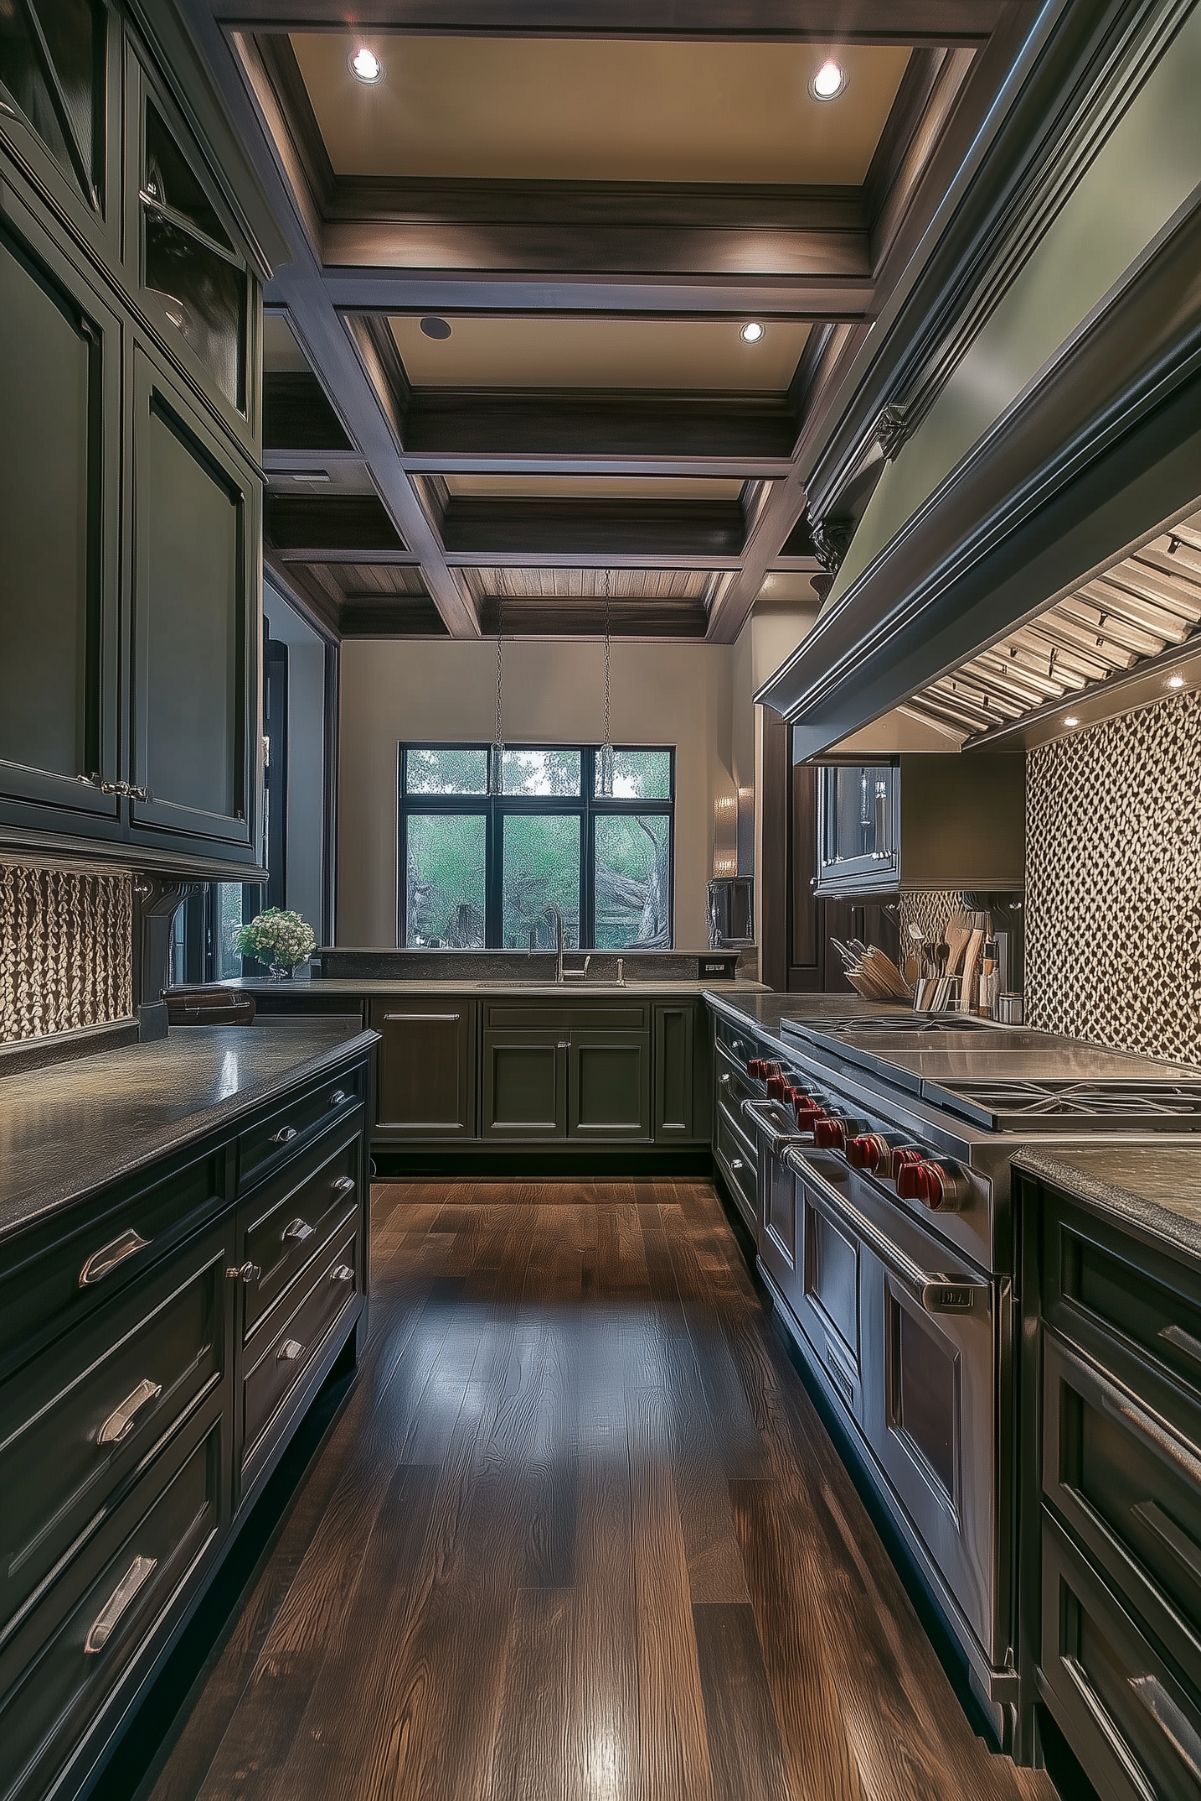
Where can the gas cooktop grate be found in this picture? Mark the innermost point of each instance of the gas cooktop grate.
(889, 1022)
(1050, 1106)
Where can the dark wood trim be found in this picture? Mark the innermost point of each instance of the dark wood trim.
(585, 618)
(329, 854)
(597, 205)
(822, 21)
(686, 294)
(316, 528)
(297, 415)
(407, 616)
(535, 527)
(283, 71)
(313, 606)
(612, 423)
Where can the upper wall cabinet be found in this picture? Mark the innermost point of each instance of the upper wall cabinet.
(195, 621)
(193, 280)
(60, 72)
(60, 375)
(130, 502)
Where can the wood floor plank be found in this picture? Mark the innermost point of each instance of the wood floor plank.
(578, 1534)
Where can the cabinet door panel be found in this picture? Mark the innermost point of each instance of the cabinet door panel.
(60, 382)
(195, 620)
(682, 1073)
(609, 1087)
(525, 1085)
(426, 1081)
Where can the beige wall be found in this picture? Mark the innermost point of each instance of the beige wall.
(676, 694)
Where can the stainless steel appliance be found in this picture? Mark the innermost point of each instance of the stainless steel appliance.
(731, 912)
(886, 1232)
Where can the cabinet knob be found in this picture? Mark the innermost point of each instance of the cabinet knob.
(289, 1350)
(344, 1185)
(341, 1272)
(285, 1135)
(244, 1272)
(297, 1230)
(337, 1097)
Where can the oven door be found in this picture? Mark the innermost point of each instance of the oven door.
(920, 1323)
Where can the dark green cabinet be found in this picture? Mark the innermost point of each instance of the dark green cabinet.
(130, 498)
(682, 1072)
(525, 1083)
(426, 1085)
(60, 374)
(195, 621)
(608, 1086)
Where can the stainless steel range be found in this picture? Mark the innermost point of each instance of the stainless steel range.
(886, 1231)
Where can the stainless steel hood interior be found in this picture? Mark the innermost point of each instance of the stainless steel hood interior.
(1124, 638)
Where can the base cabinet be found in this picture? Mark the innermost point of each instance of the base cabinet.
(609, 1087)
(525, 1085)
(427, 1068)
(164, 1356)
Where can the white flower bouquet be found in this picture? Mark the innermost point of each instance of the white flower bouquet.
(278, 938)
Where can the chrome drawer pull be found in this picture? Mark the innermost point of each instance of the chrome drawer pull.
(1164, 1443)
(1182, 1341)
(120, 1421)
(337, 1097)
(244, 1272)
(341, 1272)
(297, 1230)
(345, 1185)
(285, 1135)
(107, 1620)
(289, 1350)
(1180, 1733)
(736, 1163)
(725, 1079)
(102, 1262)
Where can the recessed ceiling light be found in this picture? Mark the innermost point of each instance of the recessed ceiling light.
(366, 65)
(829, 81)
(1175, 681)
(751, 332)
(436, 328)
(1071, 720)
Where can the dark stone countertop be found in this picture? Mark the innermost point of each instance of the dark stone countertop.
(69, 1129)
(1153, 1188)
(765, 1012)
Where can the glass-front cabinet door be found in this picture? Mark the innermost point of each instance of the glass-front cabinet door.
(60, 354)
(858, 828)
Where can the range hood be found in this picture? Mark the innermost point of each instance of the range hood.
(1122, 639)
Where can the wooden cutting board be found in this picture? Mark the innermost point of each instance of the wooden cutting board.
(971, 963)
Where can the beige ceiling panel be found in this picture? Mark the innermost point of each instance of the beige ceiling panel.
(486, 351)
(587, 109)
(591, 487)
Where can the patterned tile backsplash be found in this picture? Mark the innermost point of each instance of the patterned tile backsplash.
(66, 950)
(1113, 882)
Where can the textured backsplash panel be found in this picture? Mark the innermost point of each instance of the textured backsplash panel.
(66, 950)
(1113, 882)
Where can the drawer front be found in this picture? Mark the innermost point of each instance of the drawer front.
(1130, 1308)
(79, 1425)
(736, 1160)
(288, 1220)
(59, 1675)
(733, 1084)
(1128, 1716)
(49, 1286)
(555, 1016)
(264, 1146)
(1130, 1489)
(291, 1341)
(740, 1042)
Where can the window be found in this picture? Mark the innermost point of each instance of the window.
(480, 870)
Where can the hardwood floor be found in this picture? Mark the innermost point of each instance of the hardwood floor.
(578, 1535)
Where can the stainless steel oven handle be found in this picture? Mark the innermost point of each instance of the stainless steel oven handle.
(756, 1111)
(932, 1292)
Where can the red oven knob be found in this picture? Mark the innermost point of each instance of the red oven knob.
(806, 1110)
(943, 1190)
(754, 1068)
(902, 1157)
(867, 1151)
(776, 1086)
(830, 1133)
(910, 1178)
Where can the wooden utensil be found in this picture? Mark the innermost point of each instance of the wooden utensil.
(971, 959)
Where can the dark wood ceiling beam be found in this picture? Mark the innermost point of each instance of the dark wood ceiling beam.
(537, 528)
(594, 559)
(588, 461)
(585, 617)
(619, 424)
(673, 296)
(309, 527)
(824, 22)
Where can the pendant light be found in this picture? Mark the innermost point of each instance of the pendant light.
(496, 762)
(604, 756)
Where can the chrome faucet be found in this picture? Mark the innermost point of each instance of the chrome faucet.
(554, 915)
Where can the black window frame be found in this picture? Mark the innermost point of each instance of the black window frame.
(587, 806)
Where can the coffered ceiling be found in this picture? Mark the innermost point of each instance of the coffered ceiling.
(509, 353)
